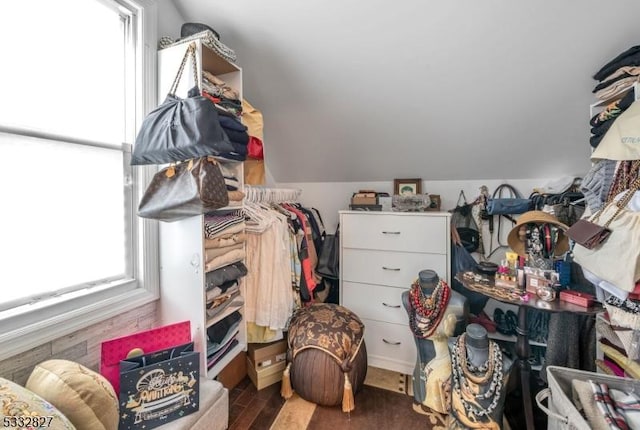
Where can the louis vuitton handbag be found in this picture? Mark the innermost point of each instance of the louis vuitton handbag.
(185, 189)
(616, 259)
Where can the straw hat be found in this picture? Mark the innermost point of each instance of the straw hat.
(537, 217)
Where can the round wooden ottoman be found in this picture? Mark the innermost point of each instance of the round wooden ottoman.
(327, 355)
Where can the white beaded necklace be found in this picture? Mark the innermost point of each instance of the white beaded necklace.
(461, 374)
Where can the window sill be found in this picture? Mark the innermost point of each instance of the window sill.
(30, 336)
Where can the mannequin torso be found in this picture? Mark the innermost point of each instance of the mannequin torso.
(478, 381)
(433, 366)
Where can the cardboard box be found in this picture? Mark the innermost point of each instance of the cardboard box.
(267, 375)
(234, 372)
(267, 354)
(364, 199)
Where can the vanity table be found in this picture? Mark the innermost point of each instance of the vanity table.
(503, 295)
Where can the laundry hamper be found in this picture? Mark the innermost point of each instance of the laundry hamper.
(561, 412)
(327, 355)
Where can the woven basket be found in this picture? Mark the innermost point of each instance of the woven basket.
(561, 411)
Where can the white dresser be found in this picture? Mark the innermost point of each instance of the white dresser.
(381, 254)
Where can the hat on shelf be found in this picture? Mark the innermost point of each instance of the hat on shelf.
(191, 28)
(537, 217)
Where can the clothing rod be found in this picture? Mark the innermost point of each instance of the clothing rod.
(270, 195)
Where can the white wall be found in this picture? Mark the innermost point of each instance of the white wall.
(170, 19)
(330, 197)
(448, 90)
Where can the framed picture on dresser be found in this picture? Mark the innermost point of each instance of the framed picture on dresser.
(407, 187)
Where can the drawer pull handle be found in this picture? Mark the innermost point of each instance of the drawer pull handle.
(394, 269)
(391, 306)
(390, 343)
(390, 232)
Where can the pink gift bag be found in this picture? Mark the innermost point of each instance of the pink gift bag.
(155, 339)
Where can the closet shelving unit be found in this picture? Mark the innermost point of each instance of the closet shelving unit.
(595, 108)
(489, 308)
(182, 263)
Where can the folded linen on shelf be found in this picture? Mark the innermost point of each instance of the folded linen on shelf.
(227, 287)
(211, 253)
(222, 260)
(214, 359)
(211, 41)
(219, 330)
(622, 71)
(213, 348)
(225, 240)
(630, 57)
(214, 224)
(218, 87)
(230, 300)
(225, 274)
(616, 88)
(613, 109)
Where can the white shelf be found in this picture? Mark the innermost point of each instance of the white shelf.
(228, 311)
(513, 339)
(182, 255)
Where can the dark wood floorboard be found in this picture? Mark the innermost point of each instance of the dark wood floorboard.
(250, 409)
(375, 409)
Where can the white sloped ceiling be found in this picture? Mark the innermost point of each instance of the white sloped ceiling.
(441, 90)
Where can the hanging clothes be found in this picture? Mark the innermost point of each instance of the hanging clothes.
(268, 293)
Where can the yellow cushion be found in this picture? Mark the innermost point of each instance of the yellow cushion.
(18, 403)
(84, 396)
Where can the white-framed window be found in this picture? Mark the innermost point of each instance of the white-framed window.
(77, 78)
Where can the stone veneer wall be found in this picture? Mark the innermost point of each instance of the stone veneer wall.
(82, 346)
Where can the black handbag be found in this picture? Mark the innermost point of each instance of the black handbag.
(184, 190)
(181, 129)
(329, 258)
(462, 261)
(466, 226)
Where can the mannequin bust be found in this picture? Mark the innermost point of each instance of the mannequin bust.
(433, 366)
(479, 377)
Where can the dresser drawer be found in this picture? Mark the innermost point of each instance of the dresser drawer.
(391, 342)
(375, 302)
(410, 233)
(398, 269)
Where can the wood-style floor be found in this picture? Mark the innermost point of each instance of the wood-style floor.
(376, 408)
(253, 409)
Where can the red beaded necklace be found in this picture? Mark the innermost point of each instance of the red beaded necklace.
(427, 312)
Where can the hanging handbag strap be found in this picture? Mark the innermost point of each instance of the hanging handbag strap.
(620, 204)
(462, 199)
(497, 193)
(191, 52)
